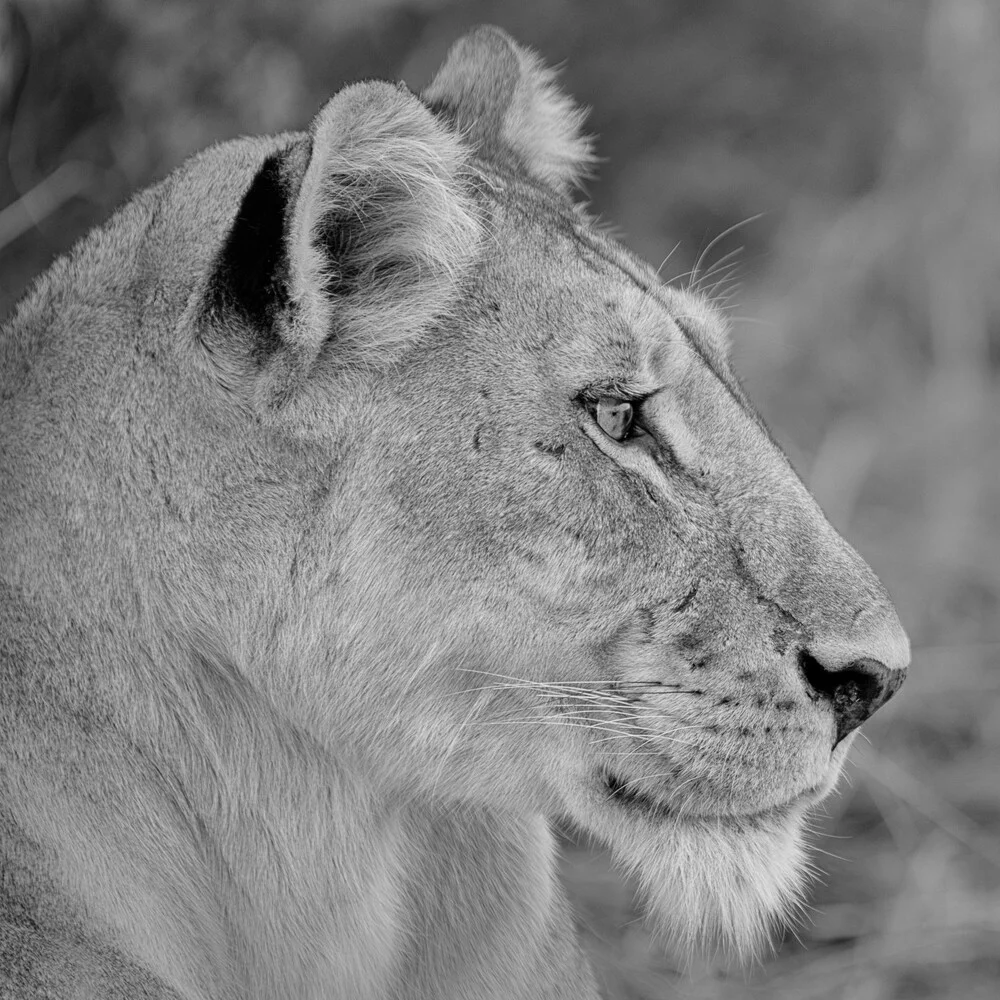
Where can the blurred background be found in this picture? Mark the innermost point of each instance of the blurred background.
(838, 163)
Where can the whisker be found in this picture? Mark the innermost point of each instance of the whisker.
(829, 854)
(715, 242)
(523, 686)
(613, 696)
(617, 734)
(727, 261)
(677, 729)
(551, 692)
(575, 683)
(522, 722)
(560, 721)
(665, 259)
(678, 690)
(592, 697)
(648, 739)
(575, 718)
(617, 715)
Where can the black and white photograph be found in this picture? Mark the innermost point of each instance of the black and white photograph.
(499, 501)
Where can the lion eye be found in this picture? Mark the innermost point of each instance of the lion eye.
(614, 417)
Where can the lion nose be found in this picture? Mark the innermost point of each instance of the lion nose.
(857, 677)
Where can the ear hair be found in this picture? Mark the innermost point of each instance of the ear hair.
(506, 102)
(383, 227)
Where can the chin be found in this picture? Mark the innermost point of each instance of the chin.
(729, 884)
(710, 883)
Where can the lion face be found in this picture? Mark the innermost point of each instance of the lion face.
(591, 580)
(649, 625)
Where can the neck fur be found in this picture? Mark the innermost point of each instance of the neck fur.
(230, 854)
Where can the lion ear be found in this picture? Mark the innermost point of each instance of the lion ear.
(506, 102)
(383, 227)
(356, 238)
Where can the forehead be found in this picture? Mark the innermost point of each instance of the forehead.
(599, 311)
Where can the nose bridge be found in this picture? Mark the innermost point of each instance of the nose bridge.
(798, 559)
(820, 579)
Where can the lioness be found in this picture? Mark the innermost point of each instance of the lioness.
(366, 509)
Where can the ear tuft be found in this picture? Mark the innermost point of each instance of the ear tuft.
(505, 100)
(383, 228)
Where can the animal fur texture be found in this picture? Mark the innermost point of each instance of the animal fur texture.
(327, 589)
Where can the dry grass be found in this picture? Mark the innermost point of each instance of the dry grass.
(869, 135)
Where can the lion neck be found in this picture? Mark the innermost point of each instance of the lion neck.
(226, 846)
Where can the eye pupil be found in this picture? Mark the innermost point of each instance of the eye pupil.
(614, 417)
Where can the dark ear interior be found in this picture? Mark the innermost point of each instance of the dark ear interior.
(251, 276)
(251, 280)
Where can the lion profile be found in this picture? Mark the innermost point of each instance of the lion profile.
(366, 510)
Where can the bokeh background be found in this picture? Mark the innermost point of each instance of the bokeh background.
(838, 164)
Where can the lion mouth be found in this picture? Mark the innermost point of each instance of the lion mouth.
(625, 795)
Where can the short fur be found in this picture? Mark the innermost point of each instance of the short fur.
(324, 593)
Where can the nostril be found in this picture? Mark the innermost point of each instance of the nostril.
(855, 691)
(864, 681)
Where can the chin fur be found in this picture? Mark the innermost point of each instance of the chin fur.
(726, 884)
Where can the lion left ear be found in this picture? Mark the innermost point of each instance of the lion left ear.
(383, 226)
(356, 237)
(505, 101)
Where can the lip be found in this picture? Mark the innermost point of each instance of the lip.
(626, 797)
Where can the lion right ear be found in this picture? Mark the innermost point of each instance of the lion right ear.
(354, 240)
(505, 102)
